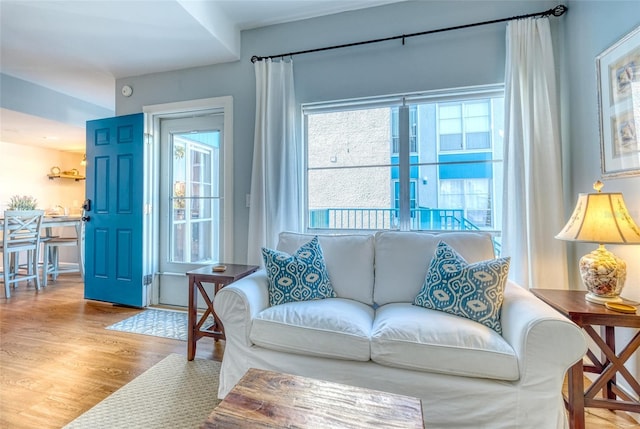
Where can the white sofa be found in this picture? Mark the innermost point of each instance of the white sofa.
(466, 374)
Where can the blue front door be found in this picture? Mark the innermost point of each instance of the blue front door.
(114, 213)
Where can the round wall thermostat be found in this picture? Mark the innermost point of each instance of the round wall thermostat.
(127, 91)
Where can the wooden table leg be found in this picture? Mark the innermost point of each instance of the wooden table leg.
(193, 309)
(576, 396)
(610, 339)
(217, 321)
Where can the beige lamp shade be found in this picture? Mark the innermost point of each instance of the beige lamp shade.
(601, 218)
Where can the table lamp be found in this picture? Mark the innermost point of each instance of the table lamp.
(601, 218)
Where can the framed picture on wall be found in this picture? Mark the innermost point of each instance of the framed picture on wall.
(618, 74)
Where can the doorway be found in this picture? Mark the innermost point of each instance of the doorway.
(192, 204)
(191, 218)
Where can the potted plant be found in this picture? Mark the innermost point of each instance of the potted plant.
(22, 202)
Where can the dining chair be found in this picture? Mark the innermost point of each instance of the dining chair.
(51, 258)
(20, 233)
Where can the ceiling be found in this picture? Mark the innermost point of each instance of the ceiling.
(79, 48)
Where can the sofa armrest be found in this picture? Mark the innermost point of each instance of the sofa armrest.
(546, 342)
(237, 304)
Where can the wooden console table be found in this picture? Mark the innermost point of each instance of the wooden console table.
(571, 303)
(267, 399)
(219, 279)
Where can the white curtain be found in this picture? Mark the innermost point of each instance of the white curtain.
(533, 210)
(275, 177)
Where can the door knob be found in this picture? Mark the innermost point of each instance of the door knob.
(86, 218)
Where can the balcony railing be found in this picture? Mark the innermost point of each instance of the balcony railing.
(374, 219)
(369, 218)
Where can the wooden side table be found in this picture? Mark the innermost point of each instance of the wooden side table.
(219, 279)
(571, 303)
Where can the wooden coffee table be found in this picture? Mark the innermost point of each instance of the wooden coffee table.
(267, 399)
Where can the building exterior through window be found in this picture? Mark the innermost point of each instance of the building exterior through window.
(441, 159)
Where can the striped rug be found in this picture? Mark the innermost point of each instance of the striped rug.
(173, 394)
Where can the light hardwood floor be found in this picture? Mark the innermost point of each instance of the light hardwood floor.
(57, 360)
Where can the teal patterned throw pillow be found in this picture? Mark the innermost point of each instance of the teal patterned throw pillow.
(299, 277)
(474, 291)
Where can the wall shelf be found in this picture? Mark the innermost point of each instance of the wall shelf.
(75, 177)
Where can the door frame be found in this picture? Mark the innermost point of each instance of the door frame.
(153, 114)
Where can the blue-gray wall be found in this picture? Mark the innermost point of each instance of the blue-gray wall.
(452, 59)
(591, 27)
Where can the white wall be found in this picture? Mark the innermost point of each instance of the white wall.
(24, 169)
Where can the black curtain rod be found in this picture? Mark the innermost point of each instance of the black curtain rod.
(556, 11)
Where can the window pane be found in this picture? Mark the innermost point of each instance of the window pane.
(471, 198)
(413, 129)
(476, 108)
(178, 242)
(478, 140)
(476, 124)
(395, 131)
(450, 126)
(449, 111)
(349, 177)
(196, 215)
(351, 198)
(201, 241)
(201, 190)
(351, 138)
(454, 165)
(451, 142)
(452, 193)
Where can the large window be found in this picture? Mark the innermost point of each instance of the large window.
(431, 161)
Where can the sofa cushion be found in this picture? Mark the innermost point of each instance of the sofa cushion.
(349, 260)
(474, 291)
(299, 277)
(416, 338)
(333, 328)
(402, 259)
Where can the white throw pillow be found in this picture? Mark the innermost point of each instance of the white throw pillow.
(402, 259)
(349, 259)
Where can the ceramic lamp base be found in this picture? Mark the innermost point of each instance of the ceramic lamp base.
(602, 300)
(603, 274)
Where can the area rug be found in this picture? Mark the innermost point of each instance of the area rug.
(159, 323)
(173, 394)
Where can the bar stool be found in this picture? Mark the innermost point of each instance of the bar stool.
(51, 259)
